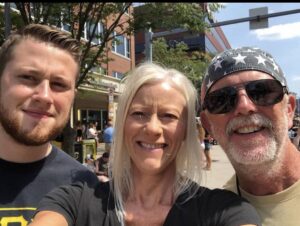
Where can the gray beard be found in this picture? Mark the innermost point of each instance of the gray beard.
(269, 161)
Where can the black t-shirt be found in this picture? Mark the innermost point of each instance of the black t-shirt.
(90, 206)
(24, 184)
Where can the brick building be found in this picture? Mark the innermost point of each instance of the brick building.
(98, 102)
(213, 41)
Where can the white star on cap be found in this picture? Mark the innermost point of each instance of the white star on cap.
(275, 66)
(249, 51)
(217, 64)
(261, 60)
(239, 59)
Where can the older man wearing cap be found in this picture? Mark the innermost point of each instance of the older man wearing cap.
(246, 106)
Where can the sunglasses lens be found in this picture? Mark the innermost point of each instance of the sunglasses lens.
(265, 92)
(221, 101)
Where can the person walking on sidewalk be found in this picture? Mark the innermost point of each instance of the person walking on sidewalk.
(247, 107)
(296, 140)
(207, 147)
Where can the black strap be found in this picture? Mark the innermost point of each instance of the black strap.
(238, 186)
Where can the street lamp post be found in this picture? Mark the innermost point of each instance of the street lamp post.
(148, 44)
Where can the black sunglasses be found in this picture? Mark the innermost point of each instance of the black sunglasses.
(262, 92)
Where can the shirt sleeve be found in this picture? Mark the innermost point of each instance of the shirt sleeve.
(64, 200)
(234, 210)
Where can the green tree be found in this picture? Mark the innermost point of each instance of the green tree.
(193, 64)
(82, 17)
(191, 16)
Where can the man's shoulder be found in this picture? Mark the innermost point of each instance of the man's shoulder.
(62, 156)
(77, 171)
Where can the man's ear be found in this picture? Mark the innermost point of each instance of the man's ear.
(205, 122)
(291, 109)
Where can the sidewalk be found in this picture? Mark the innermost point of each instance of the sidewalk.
(221, 169)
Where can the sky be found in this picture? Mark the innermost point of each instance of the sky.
(281, 39)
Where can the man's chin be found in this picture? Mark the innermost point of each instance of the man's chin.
(36, 137)
(32, 141)
(250, 154)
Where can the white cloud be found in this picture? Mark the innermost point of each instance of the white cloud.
(279, 32)
(296, 78)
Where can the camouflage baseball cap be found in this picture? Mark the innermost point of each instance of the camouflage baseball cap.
(240, 59)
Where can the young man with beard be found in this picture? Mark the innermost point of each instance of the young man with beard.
(246, 106)
(39, 66)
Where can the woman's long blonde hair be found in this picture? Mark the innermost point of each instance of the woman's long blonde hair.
(188, 164)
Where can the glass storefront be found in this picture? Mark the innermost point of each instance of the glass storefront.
(98, 116)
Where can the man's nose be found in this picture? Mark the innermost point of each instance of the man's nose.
(244, 104)
(43, 92)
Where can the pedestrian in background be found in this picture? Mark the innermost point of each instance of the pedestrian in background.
(154, 165)
(89, 162)
(201, 132)
(39, 66)
(108, 134)
(79, 132)
(296, 140)
(102, 167)
(92, 132)
(247, 107)
(207, 147)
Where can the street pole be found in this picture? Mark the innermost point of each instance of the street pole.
(148, 44)
(7, 19)
(253, 18)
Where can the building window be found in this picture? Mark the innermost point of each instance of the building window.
(89, 32)
(118, 75)
(121, 45)
(127, 47)
(98, 69)
(64, 25)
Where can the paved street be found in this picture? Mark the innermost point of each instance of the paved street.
(221, 169)
(220, 172)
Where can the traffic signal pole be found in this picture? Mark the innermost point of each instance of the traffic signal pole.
(253, 18)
